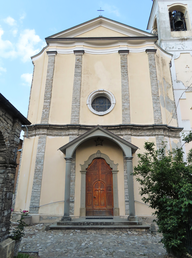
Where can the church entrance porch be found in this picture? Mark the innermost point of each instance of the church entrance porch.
(99, 189)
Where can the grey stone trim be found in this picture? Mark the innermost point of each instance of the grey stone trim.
(154, 86)
(75, 111)
(73, 131)
(126, 189)
(128, 160)
(72, 186)
(83, 171)
(98, 154)
(125, 88)
(37, 180)
(159, 141)
(48, 86)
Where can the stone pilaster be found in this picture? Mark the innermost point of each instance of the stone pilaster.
(77, 87)
(154, 86)
(125, 87)
(126, 189)
(130, 186)
(37, 180)
(48, 87)
(72, 187)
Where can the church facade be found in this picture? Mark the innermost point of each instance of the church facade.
(100, 90)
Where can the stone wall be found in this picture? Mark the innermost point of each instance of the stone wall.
(9, 139)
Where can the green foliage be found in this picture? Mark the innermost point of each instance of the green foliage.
(18, 232)
(166, 185)
(20, 255)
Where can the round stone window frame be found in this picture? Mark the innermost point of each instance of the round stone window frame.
(101, 93)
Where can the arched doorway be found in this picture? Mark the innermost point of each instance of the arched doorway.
(99, 189)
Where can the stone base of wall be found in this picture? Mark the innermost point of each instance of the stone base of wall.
(7, 248)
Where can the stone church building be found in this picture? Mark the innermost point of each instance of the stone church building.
(100, 90)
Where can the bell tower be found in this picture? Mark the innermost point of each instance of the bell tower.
(171, 20)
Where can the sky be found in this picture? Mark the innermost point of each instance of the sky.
(25, 24)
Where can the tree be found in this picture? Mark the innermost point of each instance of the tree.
(166, 185)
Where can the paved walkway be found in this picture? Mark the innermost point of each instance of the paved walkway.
(91, 243)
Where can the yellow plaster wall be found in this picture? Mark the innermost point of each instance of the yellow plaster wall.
(186, 107)
(60, 110)
(115, 153)
(101, 32)
(183, 66)
(141, 106)
(167, 100)
(141, 209)
(101, 72)
(38, 88)
(26, 174)
(53, 180)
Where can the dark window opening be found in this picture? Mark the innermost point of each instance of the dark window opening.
(101, 104)
(177, 21)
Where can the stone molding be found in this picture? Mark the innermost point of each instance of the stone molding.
(98, 154)
(123, 51)
(78, 52)
(151, 50)
(125, 87)
(154, 86)
(38, 173)
(120, 130)
(75, 111)
(48, 86)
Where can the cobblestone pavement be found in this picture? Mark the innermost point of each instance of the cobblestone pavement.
(91, 243)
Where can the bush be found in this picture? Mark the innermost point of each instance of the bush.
(166, 185)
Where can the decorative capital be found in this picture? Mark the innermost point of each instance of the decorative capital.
(123, 51)
(68, 159)
(128, 158)
(79, 52)
(51, 53)
(151, 51)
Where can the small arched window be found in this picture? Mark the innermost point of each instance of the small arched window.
(178, 18)
(177, 21)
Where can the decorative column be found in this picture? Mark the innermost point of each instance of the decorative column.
(154, 86)
(48, 87)
(67, 189)
(115, 194)
(77, 87)
(130, 188)
(125, 87)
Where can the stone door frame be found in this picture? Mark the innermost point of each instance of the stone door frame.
(83, 171)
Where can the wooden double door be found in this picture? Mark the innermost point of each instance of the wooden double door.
(99, 189)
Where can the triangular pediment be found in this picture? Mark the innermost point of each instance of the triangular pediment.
(98, 131)
(101, 27)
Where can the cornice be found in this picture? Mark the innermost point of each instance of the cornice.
(122, 129)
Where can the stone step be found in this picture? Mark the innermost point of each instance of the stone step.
(87, 227)
(97, 223)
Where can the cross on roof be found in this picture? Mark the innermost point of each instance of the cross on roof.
(100, 11)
